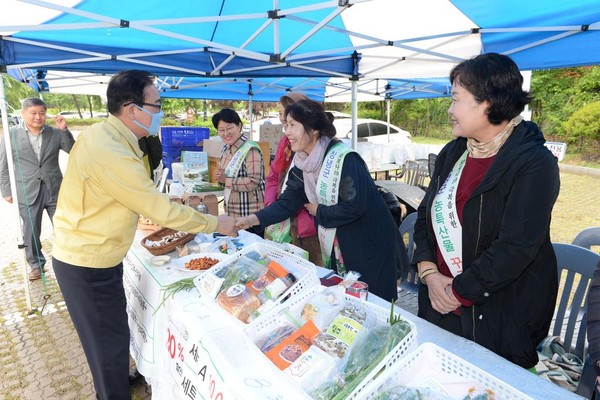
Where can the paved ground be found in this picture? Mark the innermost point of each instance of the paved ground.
(40, 354)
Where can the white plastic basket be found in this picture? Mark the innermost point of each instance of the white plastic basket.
(404, 347)
(435, 368)
(305, 272)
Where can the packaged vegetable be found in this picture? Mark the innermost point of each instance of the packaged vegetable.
(242, 270)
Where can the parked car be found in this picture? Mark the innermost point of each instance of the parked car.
(370, 130)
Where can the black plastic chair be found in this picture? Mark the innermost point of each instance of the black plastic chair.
(408, 285)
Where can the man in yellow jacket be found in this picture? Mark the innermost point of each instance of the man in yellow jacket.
(105, 188)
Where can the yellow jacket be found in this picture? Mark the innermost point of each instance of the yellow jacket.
(105, 188)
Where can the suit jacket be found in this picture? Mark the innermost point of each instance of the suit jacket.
(29, 171)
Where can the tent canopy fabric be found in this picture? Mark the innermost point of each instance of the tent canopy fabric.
(227, 49)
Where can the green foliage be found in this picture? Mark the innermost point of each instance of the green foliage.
(558, 93)
(583, 127)
(423, 117)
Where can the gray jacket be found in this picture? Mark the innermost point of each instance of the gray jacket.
(29, 171)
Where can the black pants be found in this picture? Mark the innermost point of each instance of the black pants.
(96, 302)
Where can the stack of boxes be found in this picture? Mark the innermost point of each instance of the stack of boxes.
(176, 139)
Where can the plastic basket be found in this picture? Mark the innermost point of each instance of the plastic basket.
(431, 366)
(402, 349)
(175, 136)
(308, 279)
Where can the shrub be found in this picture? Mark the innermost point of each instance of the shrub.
(583, 127)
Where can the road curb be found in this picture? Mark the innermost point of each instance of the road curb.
(577, 170)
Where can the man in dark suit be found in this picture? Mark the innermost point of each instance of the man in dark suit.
(35, 149)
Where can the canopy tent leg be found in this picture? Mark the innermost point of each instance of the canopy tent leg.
(15, 194)
(354, 113)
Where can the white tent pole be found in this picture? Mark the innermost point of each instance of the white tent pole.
(354, 114)
(13, 185)
(388, 104)
(250, 111)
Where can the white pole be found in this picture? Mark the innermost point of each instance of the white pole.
(387, 102)
(251, 113)
(354, 113)
(13, 185)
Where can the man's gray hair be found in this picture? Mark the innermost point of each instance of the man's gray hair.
(31, 102)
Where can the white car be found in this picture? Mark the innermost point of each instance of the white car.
(370, 130)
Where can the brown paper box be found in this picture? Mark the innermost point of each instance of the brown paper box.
(210, 201)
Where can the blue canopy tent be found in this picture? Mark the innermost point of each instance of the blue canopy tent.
(349, 39)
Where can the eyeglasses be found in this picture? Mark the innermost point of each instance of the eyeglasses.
(229, 129)
(159, 106)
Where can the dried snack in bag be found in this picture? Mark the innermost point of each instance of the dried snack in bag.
(342, 331)
(324, 306)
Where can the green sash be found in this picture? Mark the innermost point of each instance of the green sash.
(236, 162)
(328, 187)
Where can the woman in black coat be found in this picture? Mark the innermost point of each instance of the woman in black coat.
(334, 184)
(483, 229)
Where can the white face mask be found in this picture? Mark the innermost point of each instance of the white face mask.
(154, 125)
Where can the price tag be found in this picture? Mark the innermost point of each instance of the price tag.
(208, 284)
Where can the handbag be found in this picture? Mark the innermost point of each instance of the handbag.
(558, 366)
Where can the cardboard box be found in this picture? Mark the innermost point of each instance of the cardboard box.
(213, 148)
(210, 201)
(271, 133)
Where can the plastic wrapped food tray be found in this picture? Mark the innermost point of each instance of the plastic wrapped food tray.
(307, 280)
(402, 349)
(432, 367)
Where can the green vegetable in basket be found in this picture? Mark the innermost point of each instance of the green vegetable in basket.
(379, 342)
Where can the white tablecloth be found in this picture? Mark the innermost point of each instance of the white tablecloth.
(174, 345)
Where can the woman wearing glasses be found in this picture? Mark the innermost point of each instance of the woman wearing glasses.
(241, 168)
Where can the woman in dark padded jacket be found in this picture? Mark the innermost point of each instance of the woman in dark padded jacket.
(483, 229)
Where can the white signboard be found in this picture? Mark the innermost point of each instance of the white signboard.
(557, 148)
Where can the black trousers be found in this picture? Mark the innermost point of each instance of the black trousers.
(96, 302)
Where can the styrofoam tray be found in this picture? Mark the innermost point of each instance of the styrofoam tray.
(432, 367)
(304, 271)
(404, 347)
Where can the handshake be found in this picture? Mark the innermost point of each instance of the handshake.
(229, 225)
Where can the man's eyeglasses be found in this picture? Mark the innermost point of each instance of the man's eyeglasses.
(159, 106)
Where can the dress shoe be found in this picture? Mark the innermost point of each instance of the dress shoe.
(35, 274)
